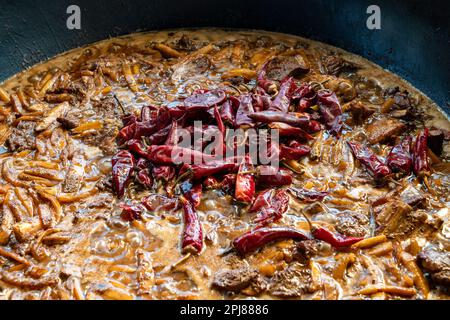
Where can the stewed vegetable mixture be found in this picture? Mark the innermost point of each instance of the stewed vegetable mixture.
(94, 205)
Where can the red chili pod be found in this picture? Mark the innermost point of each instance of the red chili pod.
(294, 151)
(370, 160)
(296, 120)
(399, 158)
(330, 110)
(337, 241)
(192, 238)
(245, 181)
(122, 170)
(283, 98)
(274, 177)
(255, 239)
(166, 173)
(285, 130)
(244, 110)
(278, 204)
(204, 99)
(421, 166)
(308, 195)
(192, 192)
(132, 212)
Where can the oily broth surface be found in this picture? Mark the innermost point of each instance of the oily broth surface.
(109, 258)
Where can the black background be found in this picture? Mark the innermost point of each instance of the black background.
(413, 41)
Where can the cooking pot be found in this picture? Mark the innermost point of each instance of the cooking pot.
(412, 41)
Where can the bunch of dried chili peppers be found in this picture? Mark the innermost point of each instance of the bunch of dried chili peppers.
(404, 157)
(151, 156)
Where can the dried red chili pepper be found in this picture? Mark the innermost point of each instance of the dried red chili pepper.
(152, 121)
(254, 239)
(143, 175)
(228, 182)
(128, 119)
(204, 99)
(308, 195)
(165, 173)
(221, 127)
(159, 137)
(283, 98)
(285, 130)
(337, 241)
(131, 212)
(370, 160)
(172, 137)
(228, 113)
(148, 113)
(137, 147)
(245, 181)
(399, 158)
(244, 110)
(173, 155)
(192, 192)
(176, 110)
(274, 177)
(313, 126)
(330, 110)
(306, 96)
(211, 183)
(301, 120)
(159, 202)
(126, 133)
(421, 167)
(192, 239)
(272, 207)
(294, 151)
(122, 170)
(262, 200)
(261, 100)
(267, 85)
(199, 171)
(144, 178)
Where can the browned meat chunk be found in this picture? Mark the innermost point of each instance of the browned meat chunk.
(359, 112)
(107, 107)
(74, 176)
(411, 196)
(335, 64)
(437, 264)
(279, 68)
(68, 123)
(22, 137)
(401, 98)
(352, 224)
(384, 130)
(396, 219)
(104, 138)
(105, 183)
(310, 248)
(185, 43)
(76, 88)
(401, 114)
(436, 140)
(191, 68)
(234, 280)
(292, 282)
